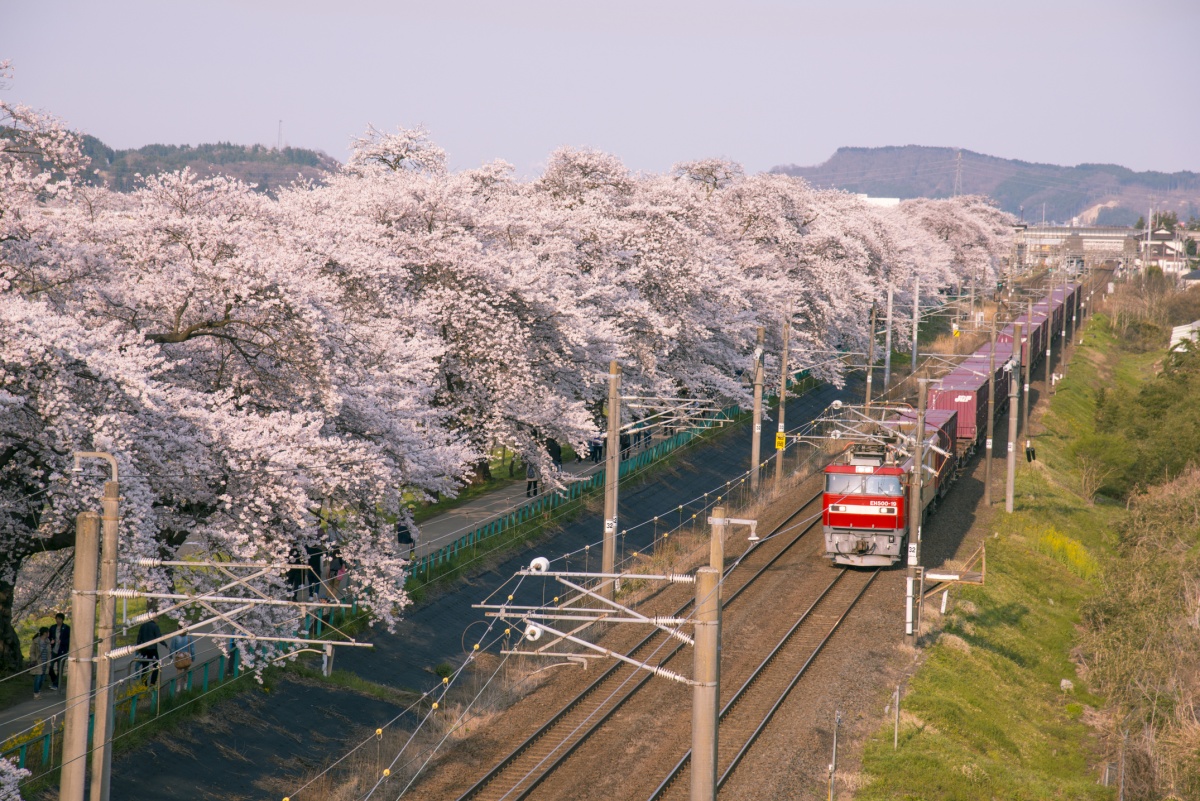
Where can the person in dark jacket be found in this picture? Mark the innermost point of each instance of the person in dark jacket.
(148, 654)
(295, 575)
(555, 451)
(531, 480)
(60, 644)
(406, 535)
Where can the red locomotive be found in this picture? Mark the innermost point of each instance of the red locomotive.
(865, 506)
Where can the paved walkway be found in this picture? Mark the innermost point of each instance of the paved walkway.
(453, 523)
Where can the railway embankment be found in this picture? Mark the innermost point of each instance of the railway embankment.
(1036, 684)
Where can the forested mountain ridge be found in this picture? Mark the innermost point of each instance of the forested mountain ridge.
(1104, 194)
(267, 167)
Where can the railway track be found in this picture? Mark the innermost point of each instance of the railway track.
(520, 772)
(750, 709)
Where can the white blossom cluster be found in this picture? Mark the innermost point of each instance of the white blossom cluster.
(10, 780)
(253, 360)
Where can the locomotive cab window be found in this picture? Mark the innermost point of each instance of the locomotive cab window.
(884, 485)
(850, 484)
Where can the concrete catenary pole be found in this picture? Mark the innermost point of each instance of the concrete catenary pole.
(887, 345)
(991, 421)
(612, 475)
(971, 320)
(756, 442)
(79, 663)
(706, 692)
(1014, 391)
(1028, 369)
(1074, 307)
(870, 358)
(916, 321)
(103, 728)
(1065, 340)
(914, 507)
(784, 373)
(1050, 341)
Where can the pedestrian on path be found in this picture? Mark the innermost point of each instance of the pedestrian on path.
(60, 644)
(39, 659)
(597, 449)
(181, 649)
(531, 480)
(313, 578)
(406, 534)
(337, 574)
(295, 575)
(148, 654)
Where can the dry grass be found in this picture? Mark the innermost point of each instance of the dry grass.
(395, 756)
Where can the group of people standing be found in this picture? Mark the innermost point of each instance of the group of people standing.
(323, 579)
(48, 653)
(50, 646)
(630, 442)
(181, 650)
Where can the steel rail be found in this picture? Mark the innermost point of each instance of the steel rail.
(792, 684)
(679, 766)
(570, 706)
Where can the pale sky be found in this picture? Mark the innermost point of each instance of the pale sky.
(763, 83)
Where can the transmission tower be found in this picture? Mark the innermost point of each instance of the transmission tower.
(958, 174)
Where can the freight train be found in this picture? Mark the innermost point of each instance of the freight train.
(867, 487)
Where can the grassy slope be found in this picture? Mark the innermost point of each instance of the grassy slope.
(985, 716)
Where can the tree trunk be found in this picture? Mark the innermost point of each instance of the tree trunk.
(482, 472)
(11, 655)
(10, 645)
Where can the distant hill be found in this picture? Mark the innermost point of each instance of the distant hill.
(1101, 194)
(267, 167)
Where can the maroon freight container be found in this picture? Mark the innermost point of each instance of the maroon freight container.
(1038, 331)
(967, 395)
